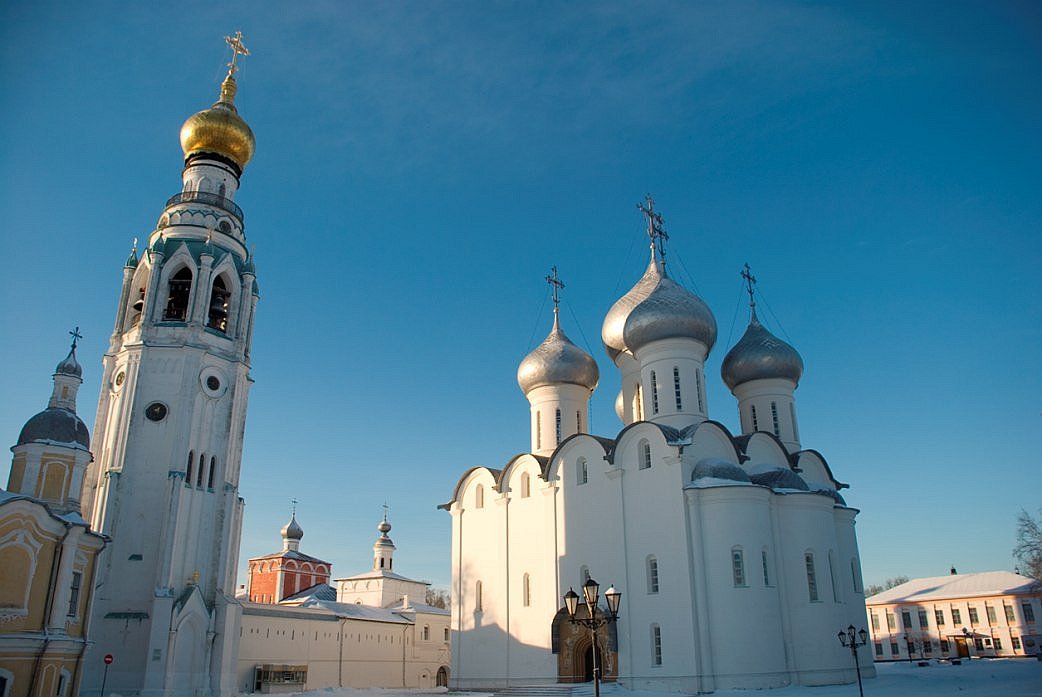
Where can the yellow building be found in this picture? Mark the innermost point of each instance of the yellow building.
(980, 615)
(48, 555)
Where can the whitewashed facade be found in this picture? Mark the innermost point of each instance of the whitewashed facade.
(736, 555)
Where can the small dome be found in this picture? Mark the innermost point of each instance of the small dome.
(615, 321)
(777, 478)
(132, 260)
(70, 366)
(384, 527)
(669, 311)
(292, 529)
(557, 361)
(714, 468)
(219, 130)
(759, 355)
(55, 425)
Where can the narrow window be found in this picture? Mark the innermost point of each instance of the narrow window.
(894, 651)
(1029, 612)
(956, 616)
(974, 620)
(856, 577)
(832, 578)
(557, 425)
(479, 497)
(538, 431)
(652, 575)
(645, 455)
(525, 485)
(812, 581)
(526, 591)
(63, 683)
(446, 634)
(906, 619)
(218, 312)
(188, 470)
(654, 393)
(938, 616)
(638, 403)
(213, 467)
(879, 648)
(875, 622)
(1016, 643)
(945, 646)
(676, 386)
(738, 566)
(992, 617)
(199, 474)
(998, 644)
(477, 597)
(792, 415)
(656, 645)
(752, 412)
(1010, 619)
(774, 418)
(177, 299)
(924, 621)
(698, 389)
(74, 594)
(581, 473)
(426, 632)
(766, 573)
(578, 422)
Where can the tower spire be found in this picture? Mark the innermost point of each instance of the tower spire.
(655, 230)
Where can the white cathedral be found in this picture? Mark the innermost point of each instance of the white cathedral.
(736, 555)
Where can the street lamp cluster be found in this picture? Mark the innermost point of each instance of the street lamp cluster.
(849, 639)
(595, 620)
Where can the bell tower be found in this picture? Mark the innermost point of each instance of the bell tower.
(168, 434)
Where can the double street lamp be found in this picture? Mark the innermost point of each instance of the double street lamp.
(595, 621)
(852, 641)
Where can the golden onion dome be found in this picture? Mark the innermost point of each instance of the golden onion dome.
(219, 130)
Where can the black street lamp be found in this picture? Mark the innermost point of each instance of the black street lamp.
(852, 641)
(595, 621)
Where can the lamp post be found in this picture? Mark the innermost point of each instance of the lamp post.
(594, 621)
(852, 641)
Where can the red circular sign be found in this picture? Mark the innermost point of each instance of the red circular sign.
(108, 658)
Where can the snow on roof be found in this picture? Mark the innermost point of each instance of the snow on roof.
(319, 591)
(381, 573)
(291, 554)
(958, 586)
(418, 607)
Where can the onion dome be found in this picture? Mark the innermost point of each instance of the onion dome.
(715, 468)
(55, 425)
(219, 130)
(132, 260)
(384, 527)
(615, 321)
(759, 355)
(292, 530)
(557, 361)
(70, 366)
(670, 311)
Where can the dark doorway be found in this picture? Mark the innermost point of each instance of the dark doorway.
(443, 677)
(588, 664)
(961, 648)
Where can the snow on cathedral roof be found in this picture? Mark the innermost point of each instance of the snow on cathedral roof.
(958, 586)
(380, 573)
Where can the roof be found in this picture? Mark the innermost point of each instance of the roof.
(419, 607)
(953, 586)
(381, 573)
(319, 591)
(289, 554)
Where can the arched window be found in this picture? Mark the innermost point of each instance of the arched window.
(219, 301)
(644, 450)
(557, 425)
(652, 569)
(582, 474)
(426, 632)
(676, 386)
(792, 415)
(478, 607)
(855, 575)
(526, 485)
(199, 474)
(774, 418)
(738, 566)
(188, 470)
(479, 497)
(654, 393)
(638, 403)
(656, 645)
(538, 430)
(812, 580)
(213, 467)
(766, 572)
(752, 412)
(698, 389)
(137, 304)
(526, 590)
(832, 578)
(180, 288)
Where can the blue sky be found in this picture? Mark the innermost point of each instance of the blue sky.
(420, 166)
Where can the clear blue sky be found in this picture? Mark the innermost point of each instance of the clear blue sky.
(420, 166)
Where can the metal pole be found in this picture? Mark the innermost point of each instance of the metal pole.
(596, 662)
(857, 667)
(104, 677)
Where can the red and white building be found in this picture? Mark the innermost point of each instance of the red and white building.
(275, 577)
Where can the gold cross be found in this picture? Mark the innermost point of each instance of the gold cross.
(238, 48)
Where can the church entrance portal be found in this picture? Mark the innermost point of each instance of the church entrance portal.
(574, 648)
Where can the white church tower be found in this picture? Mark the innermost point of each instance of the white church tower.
(169, 429)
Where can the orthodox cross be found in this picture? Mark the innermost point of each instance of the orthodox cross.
(655, 231)
(385, 511)
(294, 502)
(238, 49)
(556, 284)
(749, 281)
(75, 336)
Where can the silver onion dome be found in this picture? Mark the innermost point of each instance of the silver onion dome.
(615, 321)
(760, 355)
(669, 311)
(557, 361)
(292, 529)
(70, 366)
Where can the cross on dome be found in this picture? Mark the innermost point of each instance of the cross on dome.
(75, 337)
(655, 230)
(750, 280)
(556, 284)
(238, 49)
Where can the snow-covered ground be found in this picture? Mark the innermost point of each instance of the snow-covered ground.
(981, 678)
